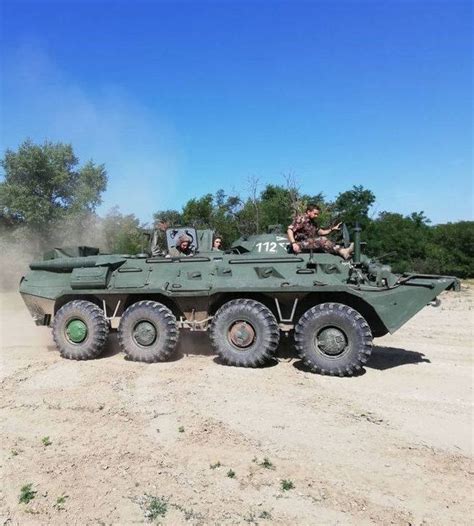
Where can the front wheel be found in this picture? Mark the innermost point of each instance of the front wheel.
(80, 330)
(244, 333)
(333, 338)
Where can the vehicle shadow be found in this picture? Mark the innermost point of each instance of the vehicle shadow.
(198, 343)
(383, 358)
(193, 343)
(112, 346)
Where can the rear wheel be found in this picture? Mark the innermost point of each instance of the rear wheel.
(148, 332)
(333, 338)
(80, 330)
(244, 333)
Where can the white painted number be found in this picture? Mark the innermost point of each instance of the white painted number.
(268, 246)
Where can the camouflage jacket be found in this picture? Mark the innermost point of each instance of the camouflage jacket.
(304, 228)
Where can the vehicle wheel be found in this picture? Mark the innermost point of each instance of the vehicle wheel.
(148, 332)
(80, 330)
(245, 333)
(332, 338)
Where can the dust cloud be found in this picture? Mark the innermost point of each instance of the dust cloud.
(22, 245)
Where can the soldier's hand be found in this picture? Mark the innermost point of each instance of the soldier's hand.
(296, 248)
(337, 227)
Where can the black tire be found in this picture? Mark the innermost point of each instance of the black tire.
(332, 338)
(148, 332)
(251, 324)
(94, 327)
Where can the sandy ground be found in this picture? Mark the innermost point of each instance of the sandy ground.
(391, 446)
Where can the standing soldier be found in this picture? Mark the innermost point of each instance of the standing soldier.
(158, 242)
(305, 234)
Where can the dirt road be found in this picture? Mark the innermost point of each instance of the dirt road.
(195, 442)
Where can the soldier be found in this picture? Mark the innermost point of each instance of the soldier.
(182, 247)
(217, 244)
(158, 242)
(305, 234)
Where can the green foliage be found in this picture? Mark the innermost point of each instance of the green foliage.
(124, 233)
(353, 206)
(27, 493)
(407, 236)
(231, 473)
(286, 485)
(198, 212)
(60, 502)
(172, 217)
(153, 507)
(42, 184)
(216, 465)
(451, 249)
(46, 441)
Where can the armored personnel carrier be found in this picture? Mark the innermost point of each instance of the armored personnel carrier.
(245, 297)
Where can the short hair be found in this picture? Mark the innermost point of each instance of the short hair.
(313, 206)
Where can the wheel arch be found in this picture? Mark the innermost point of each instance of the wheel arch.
(218, 300)
(376, 325)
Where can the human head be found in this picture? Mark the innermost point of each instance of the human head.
(183, 242)
(161, 225)
(217, 243)
(312, 210)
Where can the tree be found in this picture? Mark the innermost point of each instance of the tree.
(43, 184)
(172, 217)
(123, 233)
(198, 212)
(451, 249)
(404, 237)
(353, 206)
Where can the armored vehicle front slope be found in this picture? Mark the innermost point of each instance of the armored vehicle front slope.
(245, 297)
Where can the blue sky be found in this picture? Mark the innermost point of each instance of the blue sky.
(183, 98)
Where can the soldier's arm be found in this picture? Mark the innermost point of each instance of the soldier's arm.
(327, 231)
(291, 236)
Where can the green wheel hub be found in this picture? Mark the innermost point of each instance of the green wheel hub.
(331, 341)
(144, 333)
(76, 331)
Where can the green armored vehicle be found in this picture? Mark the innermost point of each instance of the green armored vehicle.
(246, 297)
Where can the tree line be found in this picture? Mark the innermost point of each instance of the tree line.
(47, 198)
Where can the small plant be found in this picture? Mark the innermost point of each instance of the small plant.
(231, 473)
(60, 501)
(181, 429)
(153, 507)
(265, 515)
(267, 463)
(27, 493)
(46, 441)
(216, 465)
(286, 485)
(14, 452)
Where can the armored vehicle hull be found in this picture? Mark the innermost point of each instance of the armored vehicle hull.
(246, 298)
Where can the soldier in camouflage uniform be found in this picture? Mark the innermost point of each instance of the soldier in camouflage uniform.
(158, 242)
(305, 234)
